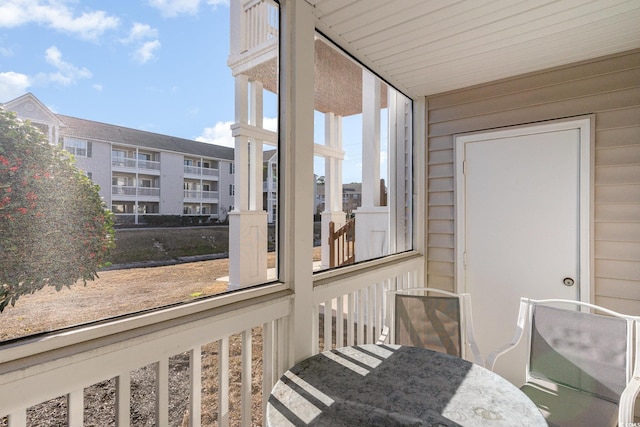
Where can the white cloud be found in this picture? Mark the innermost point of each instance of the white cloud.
(219, 134)
(56, 15)
(5, 51)
(145, 53)
(67, 73)
(171, 8)
(12, 85)
(215, 3)
(140, 32)
(98, 87)
(270, 123)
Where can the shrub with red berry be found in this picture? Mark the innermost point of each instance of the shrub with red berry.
(54, 227)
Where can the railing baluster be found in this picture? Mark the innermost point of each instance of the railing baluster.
(328, 329)
(123, 400)
(380, 299)
(282, 340)
(340, 322)
(268, 365)
(162, 392)
(18, 418)
(223, 382)
(245, 387)
(371, 308)
(195, 377)
(350, 318)
(360, 311)
(75, 408)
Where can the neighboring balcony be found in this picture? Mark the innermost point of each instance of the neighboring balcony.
(197, 195)
(131, 192)
(131, 164)
(198, 171)
(257, 44)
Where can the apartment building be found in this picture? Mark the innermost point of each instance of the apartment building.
(140, 173)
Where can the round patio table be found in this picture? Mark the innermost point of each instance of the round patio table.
(391, 385)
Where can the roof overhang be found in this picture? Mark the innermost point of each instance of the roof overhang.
(428, 47)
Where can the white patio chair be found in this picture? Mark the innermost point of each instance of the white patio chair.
(431, 318)
(579, 363)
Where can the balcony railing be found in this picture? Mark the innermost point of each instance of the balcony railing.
(198, 194)
(125, 190)
(201, 171)
(201, 333)
(130, 163)
(261, 23)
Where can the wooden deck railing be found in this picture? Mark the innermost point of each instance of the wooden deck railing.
(342, 244)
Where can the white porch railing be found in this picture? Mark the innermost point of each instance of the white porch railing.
(66, 364)
(261, 23)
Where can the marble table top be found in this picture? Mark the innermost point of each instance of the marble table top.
(391, 385)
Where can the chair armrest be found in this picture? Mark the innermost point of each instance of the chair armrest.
(517, 336)
(628, 402)
(630, 393)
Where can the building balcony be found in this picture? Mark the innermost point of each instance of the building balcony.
(197, 171)
(132, 192)
(131, 164)
(196, 195)
(256, 48)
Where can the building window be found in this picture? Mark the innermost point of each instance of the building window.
(77, 147)
(232, 190)
(232, 168)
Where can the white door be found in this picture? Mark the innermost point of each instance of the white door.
(522, 225)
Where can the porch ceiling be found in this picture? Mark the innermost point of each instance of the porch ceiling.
(426, 47)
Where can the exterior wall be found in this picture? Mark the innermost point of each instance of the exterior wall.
(99, 166)
(225, 199)
(171, 183)
(609, 88)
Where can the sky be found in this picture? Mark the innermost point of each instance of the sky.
(154, 65)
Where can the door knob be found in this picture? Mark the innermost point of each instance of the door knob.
(568, 281)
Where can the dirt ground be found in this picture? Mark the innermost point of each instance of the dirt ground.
(115, 292)
(123, 291)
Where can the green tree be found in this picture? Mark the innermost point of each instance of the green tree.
(54, 228)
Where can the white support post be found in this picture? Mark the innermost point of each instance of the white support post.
(332, 186)
(241, 153)
(370, 139)
(372, 220)
(256, 160)
(248, 220)
(296, 85)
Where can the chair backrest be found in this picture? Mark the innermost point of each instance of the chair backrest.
(585, 351)
(432, 322)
